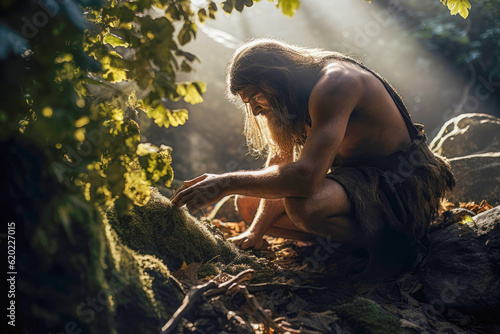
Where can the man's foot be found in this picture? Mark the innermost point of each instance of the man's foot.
(249, 239)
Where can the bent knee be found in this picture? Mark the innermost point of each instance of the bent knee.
(246, 207)
(300, 212)
(329, 201)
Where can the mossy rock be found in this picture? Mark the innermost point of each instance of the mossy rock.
(145, 296)
(174, 236)
(366, 316)
(170, 233)
(74, 275)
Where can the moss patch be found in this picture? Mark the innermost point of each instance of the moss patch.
(366, 316)
(174, 236)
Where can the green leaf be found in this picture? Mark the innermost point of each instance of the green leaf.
(202, 15)
(288, 7)
(179, 117)
(188, 30)
(189, 56)
(185, 67)
(191, 92)
(114, 40)
(160, 115)
(144, 149)
(458, 7)
(239, 5)
(212, 9)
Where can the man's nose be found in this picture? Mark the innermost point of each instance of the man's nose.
(253, 107)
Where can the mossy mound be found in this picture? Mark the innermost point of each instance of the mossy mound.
(145, 295)
(170, 233)
(74, 275)
(174, 236)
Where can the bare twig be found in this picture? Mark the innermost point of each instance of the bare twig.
(254, 288)
(261, 314)
(230, 288)
(193, 297)
(234, 320)
(242, 277)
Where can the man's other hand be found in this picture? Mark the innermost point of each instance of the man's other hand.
(250, 239)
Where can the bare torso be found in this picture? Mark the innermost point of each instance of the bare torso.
(376, 127)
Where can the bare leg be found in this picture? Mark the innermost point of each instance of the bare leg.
(268, 212)
(265, 217)
(247, 207)
(327, 214)
(284, 228)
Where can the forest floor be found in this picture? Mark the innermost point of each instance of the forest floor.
(314, 289)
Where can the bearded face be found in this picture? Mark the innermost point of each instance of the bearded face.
(265, 121)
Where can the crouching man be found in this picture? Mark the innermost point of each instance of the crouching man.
(345, 161)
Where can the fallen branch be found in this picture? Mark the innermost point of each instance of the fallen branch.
(242, 277)
(230, 288)
(261, 314)
(193, 297)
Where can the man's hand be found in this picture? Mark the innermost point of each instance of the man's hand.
(204, 190)
(250, 239)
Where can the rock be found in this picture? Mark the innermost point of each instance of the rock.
(462, 269)
(478, 178)
(468, 134)
(471, 142)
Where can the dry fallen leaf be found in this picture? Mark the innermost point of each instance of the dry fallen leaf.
(476, 208)
(188, 271)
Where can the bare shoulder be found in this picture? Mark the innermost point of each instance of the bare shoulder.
(339, 88)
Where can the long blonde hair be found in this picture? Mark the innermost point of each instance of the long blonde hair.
(286, 74)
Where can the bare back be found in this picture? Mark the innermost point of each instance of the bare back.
(375, 127)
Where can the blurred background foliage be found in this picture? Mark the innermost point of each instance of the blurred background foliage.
(76, 74)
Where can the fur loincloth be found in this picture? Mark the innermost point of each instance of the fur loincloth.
(394, 199)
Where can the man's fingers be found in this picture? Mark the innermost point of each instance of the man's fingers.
(189, 183)
(181, 188)
(182, 197)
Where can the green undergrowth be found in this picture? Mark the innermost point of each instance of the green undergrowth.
(145, 296)
(75, 275)
(174, 236)
(366, 316)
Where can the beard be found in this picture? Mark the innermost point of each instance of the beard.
(281, 136)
